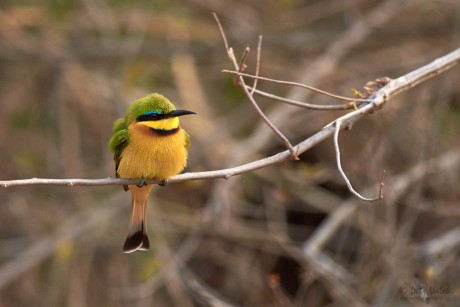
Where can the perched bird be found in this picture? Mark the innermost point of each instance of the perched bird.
(147, 143)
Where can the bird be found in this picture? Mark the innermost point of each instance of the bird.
(148, 143)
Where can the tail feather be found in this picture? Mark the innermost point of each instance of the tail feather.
(137, 241)
(137, 238)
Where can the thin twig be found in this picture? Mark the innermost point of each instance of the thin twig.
(222, 33)
(338, 125)
(311, 88)
(259, 51)
(242, 65)
(302, 104)
(294, 154)
(250, 97)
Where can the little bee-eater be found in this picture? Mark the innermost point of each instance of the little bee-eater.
(147, 143)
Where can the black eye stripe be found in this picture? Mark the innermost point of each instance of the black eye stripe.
(153, 116)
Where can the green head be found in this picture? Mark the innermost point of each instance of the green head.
(154, 110)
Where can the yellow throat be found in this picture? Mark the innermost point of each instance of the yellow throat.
(156, 149)
(164, 124)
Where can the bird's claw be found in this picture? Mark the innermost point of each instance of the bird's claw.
(142, 182)
(163, 182)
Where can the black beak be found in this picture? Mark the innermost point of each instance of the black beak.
(154, 116)
(176, 113)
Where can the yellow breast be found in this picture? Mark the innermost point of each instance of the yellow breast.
(152, 156)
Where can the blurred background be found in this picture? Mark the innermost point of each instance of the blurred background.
(287, 235)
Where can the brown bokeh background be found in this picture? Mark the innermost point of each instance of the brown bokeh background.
(287, 235)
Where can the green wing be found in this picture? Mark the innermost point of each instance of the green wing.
(118, 141)
(187, 140)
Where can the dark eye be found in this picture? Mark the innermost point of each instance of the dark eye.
(149, 115)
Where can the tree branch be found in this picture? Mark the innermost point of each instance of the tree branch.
(378, 99)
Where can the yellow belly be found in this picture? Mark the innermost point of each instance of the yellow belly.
(152, 156)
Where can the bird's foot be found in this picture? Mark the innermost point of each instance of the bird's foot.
(142, 182)
(163, 182)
